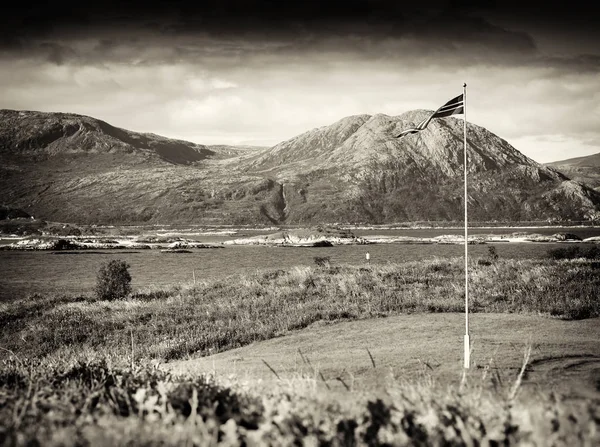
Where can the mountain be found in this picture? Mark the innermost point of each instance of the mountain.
(356, 170)
(46, 134)
(583, 169)
(72, 168)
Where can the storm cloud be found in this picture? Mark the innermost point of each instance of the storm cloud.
(259, 71)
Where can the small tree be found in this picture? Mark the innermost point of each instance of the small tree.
(492, 254)
(113, 281)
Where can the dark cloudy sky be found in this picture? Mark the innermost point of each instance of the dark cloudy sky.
(258, 72)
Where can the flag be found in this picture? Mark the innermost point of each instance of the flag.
(453, 107)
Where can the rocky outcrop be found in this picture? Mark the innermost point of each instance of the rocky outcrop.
(311, 237)
(54, 244)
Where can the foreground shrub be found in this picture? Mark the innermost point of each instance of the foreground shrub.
(114, 281)
(95, 404)
(38, 403)
(492, 257)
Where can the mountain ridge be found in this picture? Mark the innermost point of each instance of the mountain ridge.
(584, 169)
(52, 133)
(72, 168)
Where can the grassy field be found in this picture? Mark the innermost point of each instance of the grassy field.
(362, 354)
(79, 371)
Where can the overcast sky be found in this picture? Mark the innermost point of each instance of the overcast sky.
(258, 72)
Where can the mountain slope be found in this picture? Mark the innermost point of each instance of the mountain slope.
(71, 168)
(365, 174)
(41, 134)
(310, 145)
(583, 169)
(589, 161)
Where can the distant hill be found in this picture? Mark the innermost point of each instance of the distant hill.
(72, 168)
(47, 134)
(584, 169)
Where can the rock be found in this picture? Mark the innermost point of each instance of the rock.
(191, 244)
(566, 237)
(458, 239)
(322, 244)
(303, 237)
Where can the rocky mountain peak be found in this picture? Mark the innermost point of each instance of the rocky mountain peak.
(312, 144)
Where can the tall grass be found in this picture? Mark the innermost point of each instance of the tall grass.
(97, 404)
(575, 252)
(217, 315)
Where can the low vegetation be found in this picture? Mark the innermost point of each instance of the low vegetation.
(322, 261)
(218, 315)
(96, 404)
(75, 370)
(575, 252)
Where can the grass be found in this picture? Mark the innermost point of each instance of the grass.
(71, 405)
(575, 252)
(97, 404)
(218, 315)
(361, 353)
(77, 371)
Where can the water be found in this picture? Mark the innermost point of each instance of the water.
(24, 273)
(582, 232)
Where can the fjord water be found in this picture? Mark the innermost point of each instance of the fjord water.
(24, 273)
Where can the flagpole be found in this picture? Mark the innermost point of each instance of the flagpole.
(467, 344)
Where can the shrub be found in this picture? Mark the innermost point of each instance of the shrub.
(322, 261)
(113, 281)
(492, 257)
(492, 254)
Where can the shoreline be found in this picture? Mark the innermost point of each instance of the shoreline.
(281, 239)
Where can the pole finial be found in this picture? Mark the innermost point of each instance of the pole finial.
(464, 84)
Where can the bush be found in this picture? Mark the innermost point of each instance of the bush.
(492, 257)
(322, 261)
(492, 254)
(113, 281)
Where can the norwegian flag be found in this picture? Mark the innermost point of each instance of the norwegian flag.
(455, 106)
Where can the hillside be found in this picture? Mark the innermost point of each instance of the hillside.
(583, 169)
(72, 168)
(42, 135)
(356, 170)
